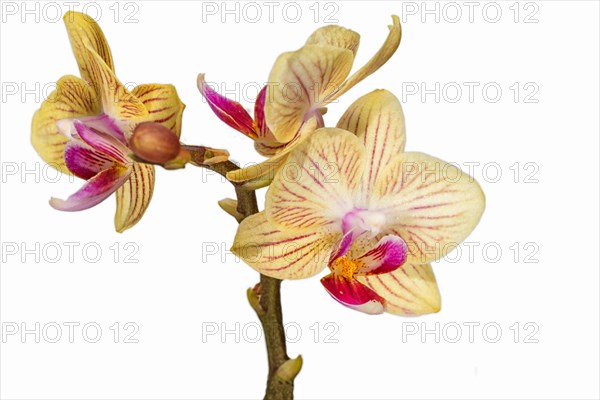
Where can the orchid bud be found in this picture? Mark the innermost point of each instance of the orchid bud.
(289, 369)
(154, 143)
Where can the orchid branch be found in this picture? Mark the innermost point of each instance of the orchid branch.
(265, 297)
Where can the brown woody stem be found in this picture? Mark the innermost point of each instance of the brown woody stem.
(265, 298)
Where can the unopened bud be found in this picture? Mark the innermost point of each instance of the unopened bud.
(288, 371)
(154, 143)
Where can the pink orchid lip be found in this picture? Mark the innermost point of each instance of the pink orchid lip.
(85, 162)
(102, 142)
(100, 123)
(353, 294)
(98, 154)
(387, 255)
(107, 124)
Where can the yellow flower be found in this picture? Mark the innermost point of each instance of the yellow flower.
(300, 86)
(350, 198)
(83, 128)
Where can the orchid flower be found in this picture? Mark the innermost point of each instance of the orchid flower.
(350, 198)
(301, 84)
(85, 125)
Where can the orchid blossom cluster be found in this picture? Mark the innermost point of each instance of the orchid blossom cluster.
(348, 197)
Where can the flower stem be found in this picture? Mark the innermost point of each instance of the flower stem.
(280, 381)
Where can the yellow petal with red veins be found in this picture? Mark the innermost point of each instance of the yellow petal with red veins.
(116, 100)
(386, 51)
(82, 30)
(73, 98)
(258, 175)
(264, 172)
(336, 36)
(315, 187)
(299, 82)
(429, 203)
(378, 122)
(134, 196)
(268, 148)
(163, 104)
(408, 291)
(281, 255)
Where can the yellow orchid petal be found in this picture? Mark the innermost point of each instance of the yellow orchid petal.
(408, 291)
(261, 181)
(336, 36)
(281, 255)
(134, 196)
(264, 172)
(72, 98)
(299, 82)
(116, 100)
(163, 104)
(430, 204)
(267, 148)
(82, 30)
(315, 187)
(381, 57)
(378, 121)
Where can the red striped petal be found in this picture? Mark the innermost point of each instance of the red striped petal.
(229, 111)
(302, 81)
(259, 115)
(353, 294)
(163, 104)
(388, 255)
(432, 205)
(84, 31)
(134, 196)
(265, 144)
(93, 191)
(378, 122)
(315, 187)
(102, 142)
(73, 98)
(85, 162)
(116, 100)
(282, 255)
(410, 290)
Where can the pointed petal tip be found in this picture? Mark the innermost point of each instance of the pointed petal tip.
(55, 202)
(201, 81)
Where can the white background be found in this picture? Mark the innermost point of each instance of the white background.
(179, 288)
